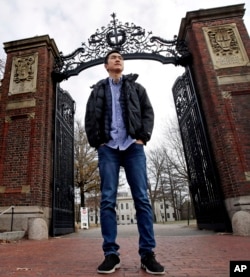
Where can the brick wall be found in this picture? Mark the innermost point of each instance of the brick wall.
(225, 105)
(26, 130)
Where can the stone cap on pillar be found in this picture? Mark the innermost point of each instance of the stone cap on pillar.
(209, 14)
(37, 41)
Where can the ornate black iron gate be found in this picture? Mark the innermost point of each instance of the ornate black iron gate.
(204, 181)
(135, 43)
(63, 187)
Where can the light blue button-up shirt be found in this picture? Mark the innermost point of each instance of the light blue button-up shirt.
(120, 138)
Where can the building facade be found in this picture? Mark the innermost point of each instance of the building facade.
(126, 213)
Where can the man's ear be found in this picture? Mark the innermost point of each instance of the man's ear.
(106, 66)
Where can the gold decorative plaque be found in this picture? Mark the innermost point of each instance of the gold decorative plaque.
(225, 46)
(23, 74)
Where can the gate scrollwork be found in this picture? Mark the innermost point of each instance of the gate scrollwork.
(133, 42)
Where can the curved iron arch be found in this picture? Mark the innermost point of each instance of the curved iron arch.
(131, 40)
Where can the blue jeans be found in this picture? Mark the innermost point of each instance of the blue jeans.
(133, 160)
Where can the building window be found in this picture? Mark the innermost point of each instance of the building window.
(122, 217)
(127, 206)
(121, 206)
(128, 217)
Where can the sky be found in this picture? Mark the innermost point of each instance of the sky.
(70, 23)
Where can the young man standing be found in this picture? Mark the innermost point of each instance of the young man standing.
(119, 121)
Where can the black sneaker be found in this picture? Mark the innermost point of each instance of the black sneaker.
(110, 264)
(150, 264)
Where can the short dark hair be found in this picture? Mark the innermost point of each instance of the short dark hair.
(109, 53)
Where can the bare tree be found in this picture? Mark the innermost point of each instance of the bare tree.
(174, 146)
(168, 178)
(86, 165)
(176, 158)
(155, 167)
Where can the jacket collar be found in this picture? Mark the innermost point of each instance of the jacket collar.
(130, 77)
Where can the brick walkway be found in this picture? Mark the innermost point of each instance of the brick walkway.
(194, 254)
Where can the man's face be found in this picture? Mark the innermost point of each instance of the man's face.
(115, 63)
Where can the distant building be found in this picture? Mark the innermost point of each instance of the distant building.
(126, 213)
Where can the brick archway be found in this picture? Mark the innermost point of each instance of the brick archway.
(218, 41)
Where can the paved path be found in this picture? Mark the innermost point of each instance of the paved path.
(182, 249)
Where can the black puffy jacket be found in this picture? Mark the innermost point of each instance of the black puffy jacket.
(137, 111)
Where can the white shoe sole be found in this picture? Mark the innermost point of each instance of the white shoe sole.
(151, 272)
(117, 266)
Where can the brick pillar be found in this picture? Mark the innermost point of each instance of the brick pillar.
(220, 45)
(26, 130)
